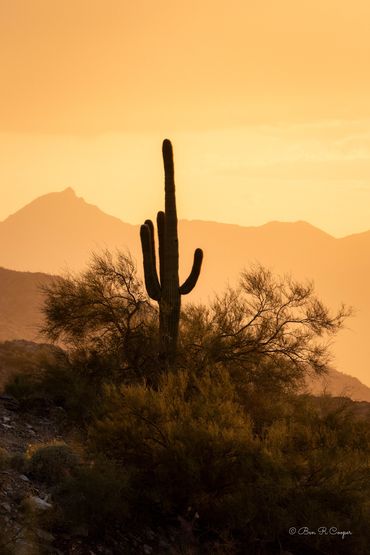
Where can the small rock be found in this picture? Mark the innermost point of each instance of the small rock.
(44, 535)
(150, 534)
(38, 503)
(9, 402)
(6, 506)
(147, 549)
(6, 418)
(23, 547)
(24, 478)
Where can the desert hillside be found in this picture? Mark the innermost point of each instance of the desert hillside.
(59, 231)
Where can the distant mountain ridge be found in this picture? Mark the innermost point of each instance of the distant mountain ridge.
(56, 231)
(60, 230)
(20, 304)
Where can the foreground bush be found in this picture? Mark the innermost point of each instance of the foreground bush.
(74, 382)
(192, 456)
(93, 500)
(51, 463)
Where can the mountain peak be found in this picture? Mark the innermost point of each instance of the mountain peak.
(68, 192)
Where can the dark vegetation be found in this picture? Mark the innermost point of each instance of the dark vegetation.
(220, 454)
(201, 442)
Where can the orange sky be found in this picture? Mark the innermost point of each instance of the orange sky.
(267, 104)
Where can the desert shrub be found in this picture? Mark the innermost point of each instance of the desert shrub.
(25, 357)
(28, 390)
(192, 456)
(28, 387)
(222, 446)
(74, 382)
(92, 499)
(325, 449)
(190, 444)
(269, 332)
(51, 463)
(75, 385)
(105, 311)
(21, 386)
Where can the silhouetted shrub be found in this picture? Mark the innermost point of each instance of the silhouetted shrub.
(105, 311)
(51, 463)
(74, 382)
(269, 332)
(191, 454)
(92, 499)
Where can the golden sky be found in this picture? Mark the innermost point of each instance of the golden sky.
(267, 104)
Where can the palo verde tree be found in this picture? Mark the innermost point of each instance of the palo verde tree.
(271, 329)
(104, 311)
(166, 289)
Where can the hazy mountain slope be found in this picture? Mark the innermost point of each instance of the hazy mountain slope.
(26, 357)
(20, 303)
(57, 231)
(339, 384)
(60, 230)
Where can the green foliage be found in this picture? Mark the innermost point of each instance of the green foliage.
(191, 443)
(188, 438)
(222, 449)
(72, 382)
(76, 384)
(105, 313)
(92, 499)
(270, 332)
(21, 386)
(50, 463)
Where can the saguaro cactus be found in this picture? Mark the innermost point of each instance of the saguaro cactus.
(166, 289)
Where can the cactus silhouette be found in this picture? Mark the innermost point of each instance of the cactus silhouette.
(166, 289)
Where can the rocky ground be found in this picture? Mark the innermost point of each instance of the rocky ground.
(24, 502)
(21, 499)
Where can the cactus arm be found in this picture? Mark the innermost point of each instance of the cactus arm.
(150, 225)
(161, 223)
(190, 283)
(150, 272)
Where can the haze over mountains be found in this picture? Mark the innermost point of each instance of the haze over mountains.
(60, 230)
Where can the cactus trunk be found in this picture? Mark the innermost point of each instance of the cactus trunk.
(166, 289)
